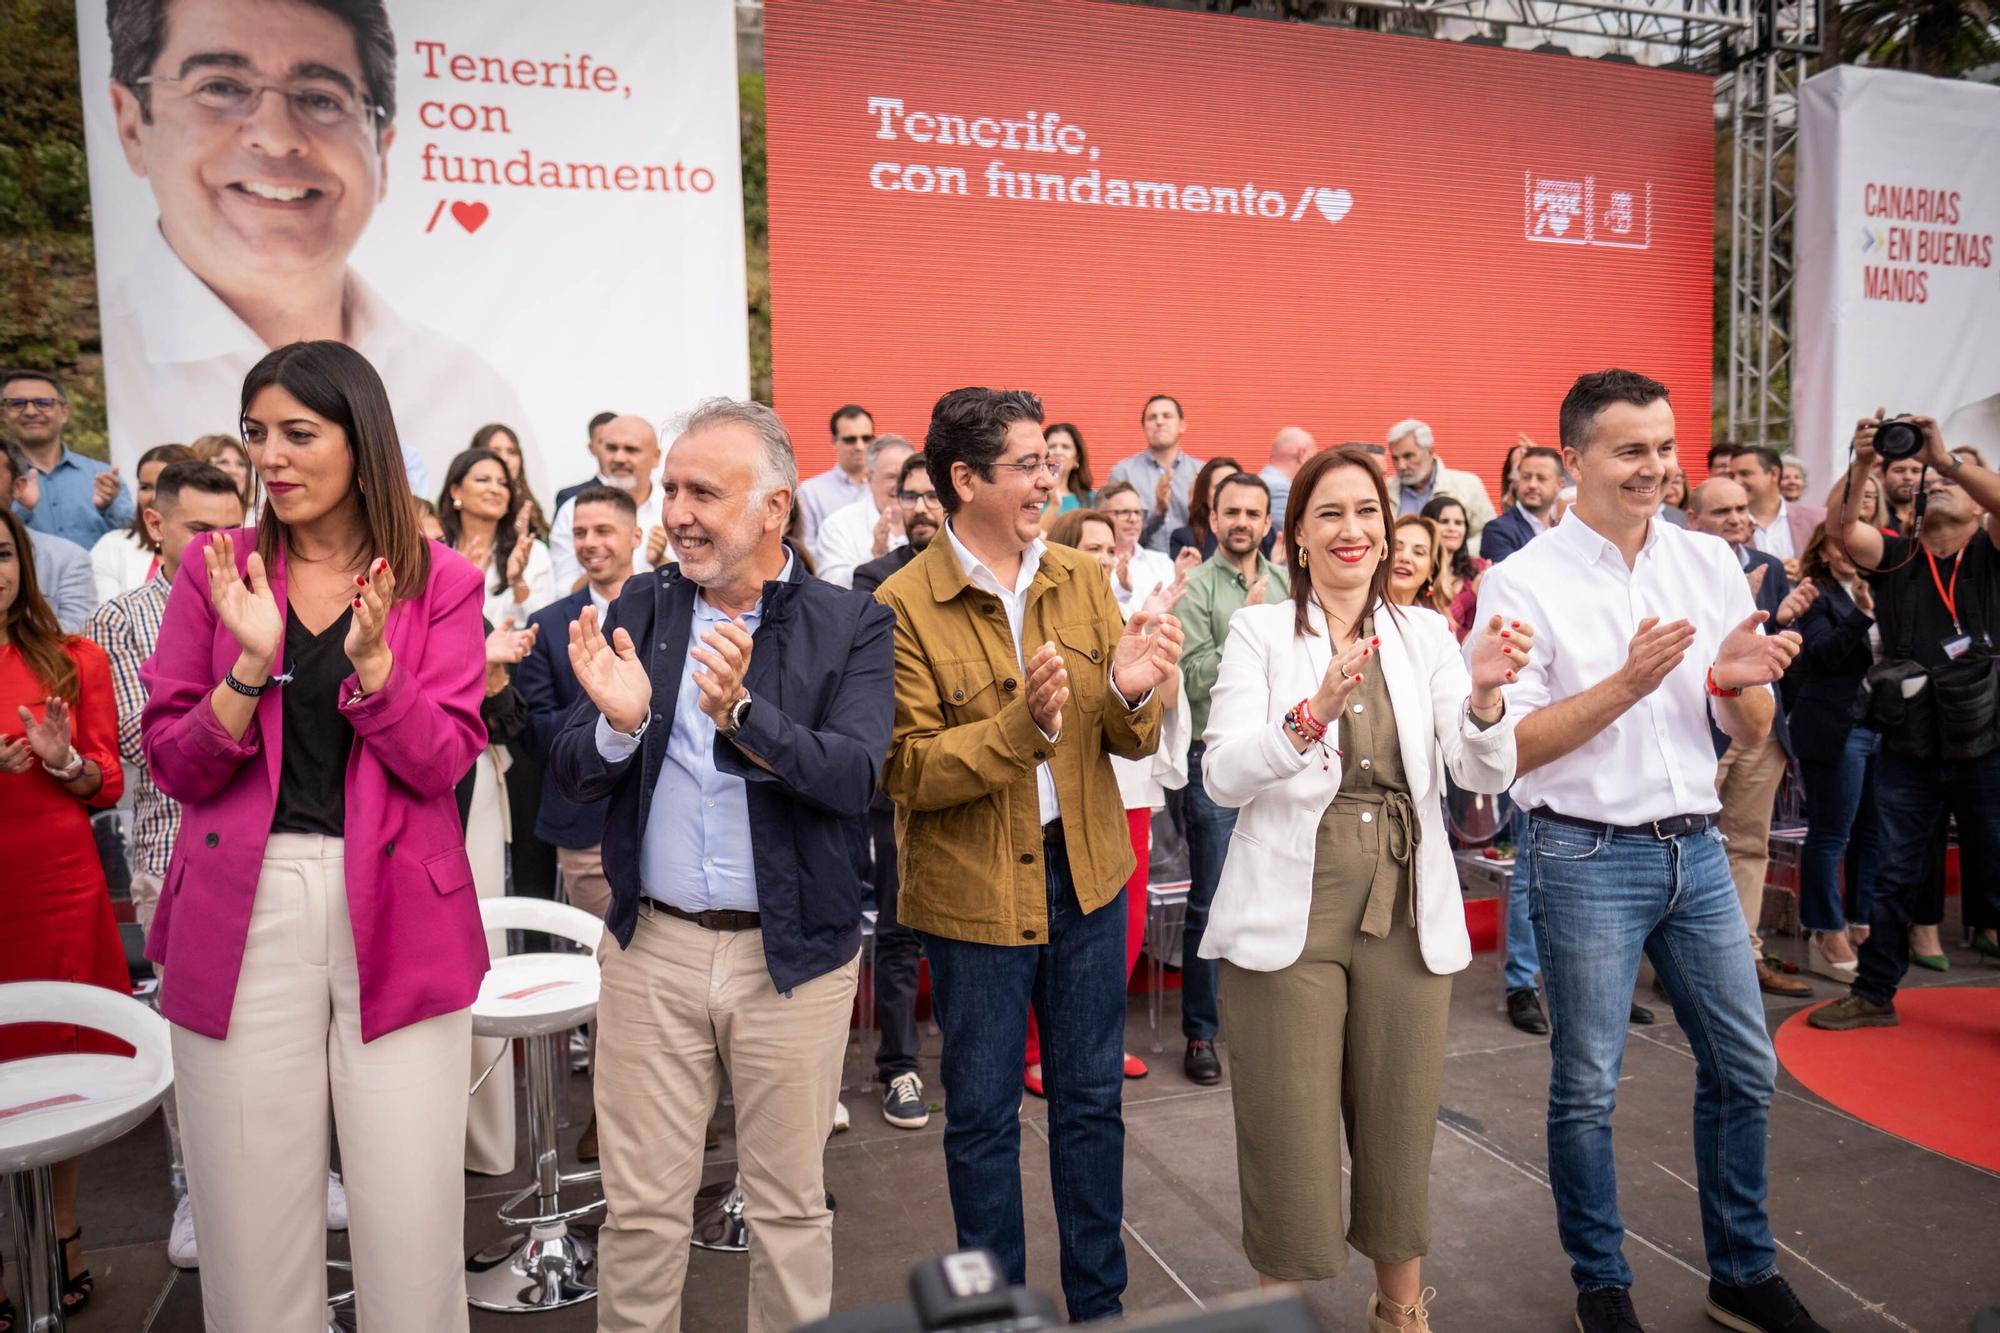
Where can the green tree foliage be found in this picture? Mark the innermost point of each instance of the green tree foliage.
(1945, 38)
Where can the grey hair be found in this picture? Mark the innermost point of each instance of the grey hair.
(777, 465)
(1793, 460)
(885, 442)
(1410, 426)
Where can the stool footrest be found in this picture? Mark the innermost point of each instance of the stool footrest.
(505, 1212)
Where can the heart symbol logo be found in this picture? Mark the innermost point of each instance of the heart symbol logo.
(1332, 204)
(473, 216)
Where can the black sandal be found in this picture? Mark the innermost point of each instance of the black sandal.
(82, 1285)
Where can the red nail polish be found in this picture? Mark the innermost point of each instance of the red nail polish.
(1505, 635)
(357, 603)
(360, 582)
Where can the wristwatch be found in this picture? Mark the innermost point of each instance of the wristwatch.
(639, 730)
(737, 712)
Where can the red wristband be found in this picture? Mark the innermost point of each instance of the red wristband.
(1717, 690)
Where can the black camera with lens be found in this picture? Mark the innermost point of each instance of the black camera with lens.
(1898, 438)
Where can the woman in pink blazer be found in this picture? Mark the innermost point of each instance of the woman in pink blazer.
(312, 704)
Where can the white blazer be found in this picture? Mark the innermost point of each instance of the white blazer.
(1258, 920)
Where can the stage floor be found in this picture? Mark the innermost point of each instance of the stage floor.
(1877, 1233)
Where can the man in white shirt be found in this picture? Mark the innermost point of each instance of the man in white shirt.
(1651, 632)
(846, 482)
(869, 530)
(628, 450)
(1138, 568)
(266, 146)
(1783, 527)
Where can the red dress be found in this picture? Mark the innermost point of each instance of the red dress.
(55, 911)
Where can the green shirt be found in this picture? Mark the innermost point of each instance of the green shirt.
(1215, 592)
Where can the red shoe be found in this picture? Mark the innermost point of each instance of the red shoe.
(1031, 1079)
(1134, 1066)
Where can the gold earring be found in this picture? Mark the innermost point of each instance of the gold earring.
(1302, 555)
(457, 503)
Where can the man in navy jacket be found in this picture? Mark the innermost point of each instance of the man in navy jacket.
(742, 713)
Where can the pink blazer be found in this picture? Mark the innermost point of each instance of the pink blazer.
(1803, 519)
(417, 942)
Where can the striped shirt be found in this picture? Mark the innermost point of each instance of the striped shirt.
(126, 628)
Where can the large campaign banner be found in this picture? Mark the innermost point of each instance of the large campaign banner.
(1276, 223)
(520, 212)
(1898, 302)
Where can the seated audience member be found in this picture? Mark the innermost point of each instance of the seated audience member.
(1419, 474)
(1074, 484)
(1538, 480)
(1139, 568)
(605, 531)
(593, 446)
(1458, 569)
(1198, 532)
(126, 557)
(58, 762)
(628, 454)
(898, 954)
(62, 568)
(183, 501)
(870, 527)
(227, 453)
(1338, 921)
(498, 439)
(481, 512)
(1415, 562)
(1839, 641)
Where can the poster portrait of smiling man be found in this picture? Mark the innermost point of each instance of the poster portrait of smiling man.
(264, 171)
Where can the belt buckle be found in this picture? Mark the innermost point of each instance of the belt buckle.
(1660, 833)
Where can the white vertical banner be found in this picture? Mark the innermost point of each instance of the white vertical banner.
(1898, 296)
(520, 212)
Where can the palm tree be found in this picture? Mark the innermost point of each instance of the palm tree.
(1945, 38)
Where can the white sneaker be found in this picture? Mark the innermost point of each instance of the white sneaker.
(180, 1241)
(841, 1123)
(336, 1203)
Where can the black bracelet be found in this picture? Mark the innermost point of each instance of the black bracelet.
(247, 691)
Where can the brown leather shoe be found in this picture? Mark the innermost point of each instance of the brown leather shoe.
(1775, 982)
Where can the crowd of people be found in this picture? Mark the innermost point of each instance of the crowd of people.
(728, 710)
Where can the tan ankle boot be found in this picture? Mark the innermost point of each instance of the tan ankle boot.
(1418, 1315)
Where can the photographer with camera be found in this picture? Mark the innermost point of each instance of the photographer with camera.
(1934, 697)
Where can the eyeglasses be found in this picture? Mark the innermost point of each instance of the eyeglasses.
(917, 499)
(326, 105)
(23, 404)
(1028, 467)
(1134, 512)
(855, 439)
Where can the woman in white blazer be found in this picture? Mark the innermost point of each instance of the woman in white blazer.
(1334, 720)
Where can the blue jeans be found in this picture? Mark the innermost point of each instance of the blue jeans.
(1522, 961)
(1839, 811)
(1076, 983)
(1599, 901)
(1208, 828)
(1912, 797)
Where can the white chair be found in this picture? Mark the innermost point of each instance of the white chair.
(55, 1107)
(536, 997)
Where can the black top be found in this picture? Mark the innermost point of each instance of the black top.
(1914, 621)
(312, 777)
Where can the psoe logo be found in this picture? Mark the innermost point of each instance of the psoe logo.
(1587, 210)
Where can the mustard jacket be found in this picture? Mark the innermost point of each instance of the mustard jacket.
(963, 756)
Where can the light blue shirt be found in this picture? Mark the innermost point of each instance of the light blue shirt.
(68, 507)
(1281, 494)
(695, 853)
(1412, 500)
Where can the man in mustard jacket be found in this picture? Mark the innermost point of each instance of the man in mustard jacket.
(1016, 681)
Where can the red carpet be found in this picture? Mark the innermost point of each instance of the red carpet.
(1931, 1081)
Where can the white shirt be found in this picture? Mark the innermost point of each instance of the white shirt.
(175, 357)
(563, 565)
(1539, 525)
(847, 541)
(1776, 539)
(1015, 601)
(120, 564)
(539, 577)
(822, 496)
(1147, 568)
(1657, 759)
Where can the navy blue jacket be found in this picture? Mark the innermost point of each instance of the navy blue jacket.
(1826, 676)
(548, 686)
(1777, 586)
(822, 682)
(568, 493)
(1506, 533)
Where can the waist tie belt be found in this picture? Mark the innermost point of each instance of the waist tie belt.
(1401, 835)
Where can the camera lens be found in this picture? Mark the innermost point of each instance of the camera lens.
(1896, 440)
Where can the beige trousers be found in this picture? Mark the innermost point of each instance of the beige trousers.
(583, 879)
(1747, 780)
(145, 898)
(679, 1007)
(489, 1120)
(254, 1126)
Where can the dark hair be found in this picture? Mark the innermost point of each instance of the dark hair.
(1508, 463)
(1304, 482)
(1162, 398)
(209, 447)
(1596, 391)
(1068, 529)
(969, 426)
(600, 421)
(1200, 493)
(1462, 566)
(191, 474)
(1428, 592)
(31, 621)
(505, 534)
(914, 463)
(159, 453)
(483, 437)
(46, 376)
(523, 491)
(1813, 563)
(1239, 479)
(606, 495)
(139, 32)
(1542, 451)
(1768, 459)
(1112, 488)
(844, 411)
(1721, 450)
(17, 468)
(1084, 483)
(336, 382)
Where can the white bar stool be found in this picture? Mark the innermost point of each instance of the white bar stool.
(55, 1107)
(536, 997)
